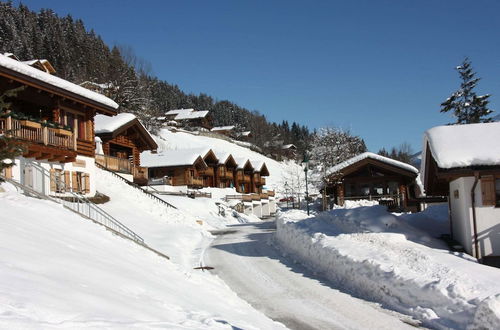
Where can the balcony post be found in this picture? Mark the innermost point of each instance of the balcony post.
(45, 135)
(8, 123)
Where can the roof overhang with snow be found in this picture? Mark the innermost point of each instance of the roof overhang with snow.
(454, 151)
(110, 127)
(40, 80)
(354, 163)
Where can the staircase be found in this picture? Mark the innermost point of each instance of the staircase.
(77, 203)
(144, 191)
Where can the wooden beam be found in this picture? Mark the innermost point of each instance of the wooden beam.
(44, 155)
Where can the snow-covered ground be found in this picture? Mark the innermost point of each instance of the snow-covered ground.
(379, 256)
(58, 270)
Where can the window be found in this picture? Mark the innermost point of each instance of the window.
(191, 173)
(80, 182)
(497, 192)
(81, 127)
(489, 190)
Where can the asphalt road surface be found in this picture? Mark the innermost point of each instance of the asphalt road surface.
(286, 291)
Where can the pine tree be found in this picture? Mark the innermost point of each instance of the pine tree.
(467, 107)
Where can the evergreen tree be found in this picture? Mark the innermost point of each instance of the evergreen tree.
(467, 107)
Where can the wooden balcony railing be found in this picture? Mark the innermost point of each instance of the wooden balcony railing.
(207, 172)
(194, 181)
(270, 193)
(224, 173)
(264, 196)
(114, 163)
(36, 133)
(255, 197)
(246, 178)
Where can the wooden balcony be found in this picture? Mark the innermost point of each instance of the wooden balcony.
(270, 193)
(53, 144)
(224, 173)
(264, 196)
(195, 181)
(255, 197)
(209, 171)
(114, 164)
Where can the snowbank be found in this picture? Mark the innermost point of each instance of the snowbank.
(377, 256)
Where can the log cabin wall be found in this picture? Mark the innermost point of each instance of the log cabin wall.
(123, 141)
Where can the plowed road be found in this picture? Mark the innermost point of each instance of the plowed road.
(286, 291)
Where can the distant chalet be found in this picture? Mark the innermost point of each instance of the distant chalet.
(373, 177)
(190, 118)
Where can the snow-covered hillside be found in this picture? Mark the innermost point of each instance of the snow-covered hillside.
(168, 140)
(58, 270)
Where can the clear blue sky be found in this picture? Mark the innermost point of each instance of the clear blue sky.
(378, 68)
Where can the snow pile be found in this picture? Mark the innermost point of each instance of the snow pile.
(58, 270)
(45, 77)
(376, 255)
(464, 145)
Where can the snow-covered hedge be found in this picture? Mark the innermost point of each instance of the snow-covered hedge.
(377, 256)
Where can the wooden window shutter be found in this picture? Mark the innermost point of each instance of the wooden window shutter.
(74, 181)
(53, 185)
(86, 179)
(67, 183)
(488, 190)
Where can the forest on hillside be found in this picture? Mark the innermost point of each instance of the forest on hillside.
(80, 55)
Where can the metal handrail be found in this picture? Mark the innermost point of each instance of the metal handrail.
(156, 198)
(83, 206)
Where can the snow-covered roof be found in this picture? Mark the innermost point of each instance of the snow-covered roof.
(289, 146)
(107, 124)
(161, 118)
(178, 111)
(222, 128)
(191, 115)
(464, 145)
(390, 161)
(222, 156)
(257, 164)
(245, 133)
(47, 78)
(241, 162)
(167, 158)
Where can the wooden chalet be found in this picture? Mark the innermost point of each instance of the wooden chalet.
(190, 118)
(462, 162)
(372, 177)
(258, 181)
(243, 175)
(54, 119)
(223, 130)
(224, 175)
(209, 174)
(175, 167)
(123, 138)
